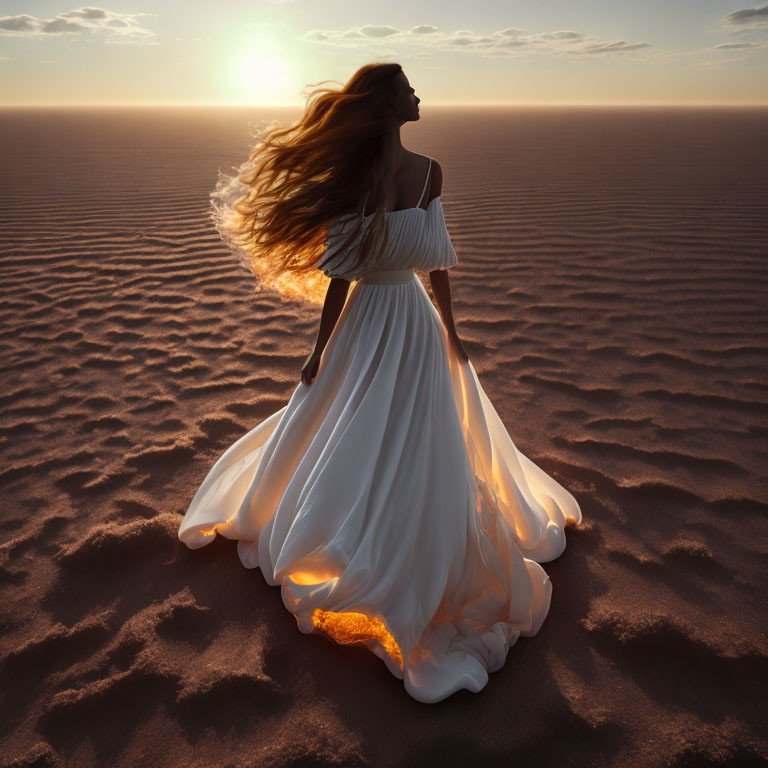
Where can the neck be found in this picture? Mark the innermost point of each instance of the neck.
(394, 148)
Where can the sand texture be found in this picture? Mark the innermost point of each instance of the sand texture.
(611, 291)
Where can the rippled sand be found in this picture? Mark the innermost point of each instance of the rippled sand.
(611, 291)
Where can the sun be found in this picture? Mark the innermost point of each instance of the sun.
(261, 74)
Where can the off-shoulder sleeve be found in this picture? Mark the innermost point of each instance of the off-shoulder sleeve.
(336, 261)
(445, 253)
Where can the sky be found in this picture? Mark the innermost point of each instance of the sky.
(454, 52)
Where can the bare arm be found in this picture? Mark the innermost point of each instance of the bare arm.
(335, 297)
(441, 289)
(438, 278)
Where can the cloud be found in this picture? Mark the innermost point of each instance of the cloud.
(86, 21)
(617, 47)
(561, 36)
(738, 45)
(750, 17)
(509, 41)
(20, 23)
(87, 13)
(370, 31)
(740, 27)
(512, 43)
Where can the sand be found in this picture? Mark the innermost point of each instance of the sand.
(611, 292)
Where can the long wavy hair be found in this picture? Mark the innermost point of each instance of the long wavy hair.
(298, 179)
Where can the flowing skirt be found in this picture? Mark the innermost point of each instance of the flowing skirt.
(390, 504)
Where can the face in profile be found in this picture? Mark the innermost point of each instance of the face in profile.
(405, 102)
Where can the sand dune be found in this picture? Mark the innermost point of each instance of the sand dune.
(611, 291)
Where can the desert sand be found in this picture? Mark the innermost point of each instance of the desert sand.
(611, 291)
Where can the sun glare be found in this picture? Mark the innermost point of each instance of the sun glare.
(261, 75)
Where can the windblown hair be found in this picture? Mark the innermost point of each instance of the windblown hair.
(298, 179)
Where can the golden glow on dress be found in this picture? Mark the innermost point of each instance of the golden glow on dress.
(347, 627)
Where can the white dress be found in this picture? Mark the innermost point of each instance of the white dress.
(387, 499)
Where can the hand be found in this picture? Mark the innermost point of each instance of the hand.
(458, 346)
(309, 371)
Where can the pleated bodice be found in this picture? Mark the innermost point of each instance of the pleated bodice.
(417, 239)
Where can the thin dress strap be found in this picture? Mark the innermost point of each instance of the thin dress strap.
(418, 205)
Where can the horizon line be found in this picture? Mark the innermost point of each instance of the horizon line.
(441, 105)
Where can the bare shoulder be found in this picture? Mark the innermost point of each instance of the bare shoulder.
(436, 180)
(421, 163)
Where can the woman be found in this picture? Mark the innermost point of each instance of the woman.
(386, 499)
